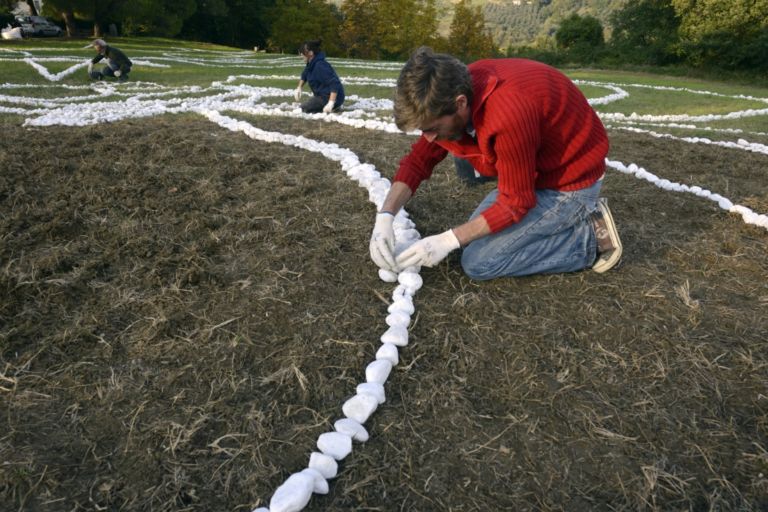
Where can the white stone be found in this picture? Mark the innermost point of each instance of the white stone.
(401, 292)
(404, 304)
(293, 495)
(372, 388)
(401, 245)
(410, 280)
(407, 234)
(335, 445)
(320, 483)
(352, 428)
(387, 275)
(378, 371)
(396, 335)
(324, 464)
(359, 408)
(399, 319)
(388, 352)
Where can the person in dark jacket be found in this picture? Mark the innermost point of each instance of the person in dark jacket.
(117, 64)
(327, 91)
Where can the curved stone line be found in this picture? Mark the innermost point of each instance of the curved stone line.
(749, 216)
(742, 144)
(294, 494)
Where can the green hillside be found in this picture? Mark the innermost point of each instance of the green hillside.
(519, 22)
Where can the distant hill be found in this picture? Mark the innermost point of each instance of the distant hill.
(520, 22)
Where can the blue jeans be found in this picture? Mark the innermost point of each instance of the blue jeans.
(315, 104)
(555, 236)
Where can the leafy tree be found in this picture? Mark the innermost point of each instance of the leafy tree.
(740, 18)
(468, 39)
(294, 21)
(208, 21)
(729, 34)
(387, 29)
(403, 25)
(646, 32)
(578, 30)
(166, 18)
(240, 23)
(101, 12)
(357, 28)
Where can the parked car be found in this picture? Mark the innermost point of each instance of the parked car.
(38, 26)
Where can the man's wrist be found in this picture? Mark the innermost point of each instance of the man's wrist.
(387, 212)
(451, 235)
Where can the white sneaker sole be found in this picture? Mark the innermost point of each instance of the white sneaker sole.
(610, 261)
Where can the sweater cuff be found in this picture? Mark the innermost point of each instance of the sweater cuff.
(499, 217)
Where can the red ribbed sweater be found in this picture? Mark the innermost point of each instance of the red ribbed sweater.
(534, 130)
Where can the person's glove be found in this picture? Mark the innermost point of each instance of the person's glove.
(297, 94)
(429, 251)
(118, 73)
(382, 246)
(90, 68)
(328, 108)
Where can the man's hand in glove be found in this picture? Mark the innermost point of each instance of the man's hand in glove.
(382, 246)
(328, 108)
(297, 94)
(429, 251)
(90, 68)
(118, 73)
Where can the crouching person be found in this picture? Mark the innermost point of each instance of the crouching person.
(525, 125)
(117, 64)
(327, 91)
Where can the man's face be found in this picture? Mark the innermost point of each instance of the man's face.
(450, 126)
(99, 49)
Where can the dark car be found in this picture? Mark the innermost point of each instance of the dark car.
(38, 26)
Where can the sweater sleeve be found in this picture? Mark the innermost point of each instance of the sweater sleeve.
(515, 141)
(417, 165)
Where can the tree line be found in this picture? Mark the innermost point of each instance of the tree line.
(718, 34)
(727, 35)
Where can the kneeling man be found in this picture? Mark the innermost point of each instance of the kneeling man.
(526, 125)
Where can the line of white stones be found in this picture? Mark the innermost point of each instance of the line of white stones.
(754, 147)
(749, 216)
(296, 491)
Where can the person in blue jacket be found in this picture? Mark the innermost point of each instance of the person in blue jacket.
(327, 91)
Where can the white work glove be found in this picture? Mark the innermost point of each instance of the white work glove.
(297, 94)
(429, 251)
(90, 68)
(382, 246)
(118, 73)
(328, 108)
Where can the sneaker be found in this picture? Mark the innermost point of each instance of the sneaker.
(608, 243)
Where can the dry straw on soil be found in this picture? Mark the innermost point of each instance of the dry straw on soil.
(185, 310)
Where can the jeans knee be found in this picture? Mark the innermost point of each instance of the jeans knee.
(474, 267)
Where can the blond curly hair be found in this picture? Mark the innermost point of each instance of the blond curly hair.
(428, 86)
